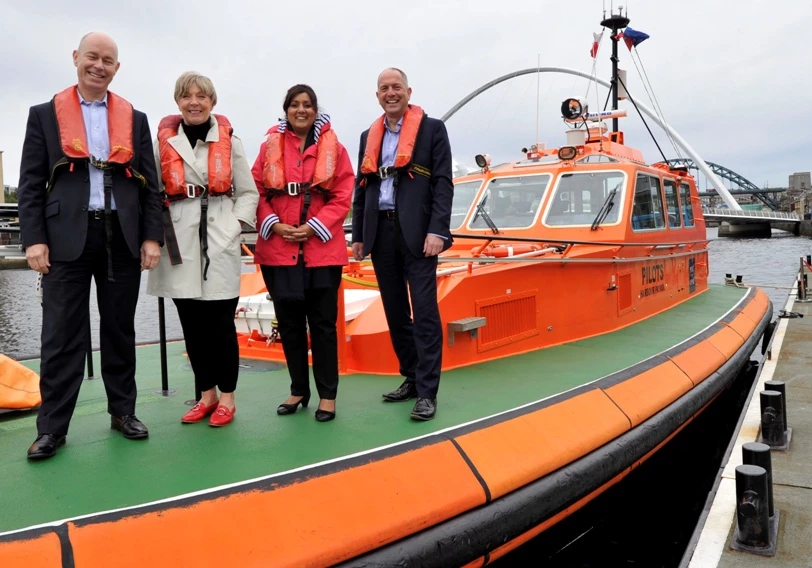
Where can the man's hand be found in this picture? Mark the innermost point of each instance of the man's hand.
(432, 246)
(37, 257)
(150, 255)
(358, 251)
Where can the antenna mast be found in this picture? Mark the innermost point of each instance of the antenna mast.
(615, 22)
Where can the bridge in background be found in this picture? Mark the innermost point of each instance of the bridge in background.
(745, 186)
(753, 223)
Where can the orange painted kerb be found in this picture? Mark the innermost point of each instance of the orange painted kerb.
(514, 453)
(40, 552)
(317, 522)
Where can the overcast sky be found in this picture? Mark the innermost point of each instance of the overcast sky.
(733, 77)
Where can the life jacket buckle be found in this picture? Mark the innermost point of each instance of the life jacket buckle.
(190, 190)
(385, 172)
(293, 188)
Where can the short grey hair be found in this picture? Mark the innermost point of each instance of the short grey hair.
(185, 81)
(402, 74)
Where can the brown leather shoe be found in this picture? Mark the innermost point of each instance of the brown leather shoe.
(45, 446)
(130, 426)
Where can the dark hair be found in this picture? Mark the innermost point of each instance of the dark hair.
(298, 90)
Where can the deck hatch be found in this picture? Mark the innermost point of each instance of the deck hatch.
(510, 318)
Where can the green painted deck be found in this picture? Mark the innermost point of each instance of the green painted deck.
(99, 470)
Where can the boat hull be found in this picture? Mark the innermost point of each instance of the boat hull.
(392, 505)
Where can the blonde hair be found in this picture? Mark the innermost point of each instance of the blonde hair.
(202, 82)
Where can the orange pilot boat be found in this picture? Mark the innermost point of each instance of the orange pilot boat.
(580, 335)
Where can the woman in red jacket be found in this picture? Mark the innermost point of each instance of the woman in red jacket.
(305, 180)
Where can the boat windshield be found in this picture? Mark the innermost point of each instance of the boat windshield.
(511, 202)
(579, 197)
(464, 194)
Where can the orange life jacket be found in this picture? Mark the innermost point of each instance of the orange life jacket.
(273, 174)
(219, 166)
(68, 111)
(406, 141)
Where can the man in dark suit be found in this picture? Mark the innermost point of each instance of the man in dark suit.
(89, 208)
(401, 214)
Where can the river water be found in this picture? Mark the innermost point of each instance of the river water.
(769, 262)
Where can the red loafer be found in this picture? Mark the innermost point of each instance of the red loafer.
(198, 412)
(222, 416)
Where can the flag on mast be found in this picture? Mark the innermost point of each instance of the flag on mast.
(596, 40)
(632, 37)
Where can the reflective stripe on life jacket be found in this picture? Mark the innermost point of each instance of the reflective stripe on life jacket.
(406, 141)
(273, 174)
(219, 162)
(71, 123)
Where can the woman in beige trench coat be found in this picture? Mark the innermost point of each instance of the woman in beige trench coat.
(207, 179)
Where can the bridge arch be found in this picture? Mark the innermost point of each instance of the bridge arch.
(696, 158)
(731, 176)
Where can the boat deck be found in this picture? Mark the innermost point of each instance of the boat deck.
(98, 470)
(792, 469)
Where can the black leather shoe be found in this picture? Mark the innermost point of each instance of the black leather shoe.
(130, 426)
(324, 415)
(424, 409)
(285, 409)
(404, 392)
(45, 446)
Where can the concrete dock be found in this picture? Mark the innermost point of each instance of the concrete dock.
(790, 362)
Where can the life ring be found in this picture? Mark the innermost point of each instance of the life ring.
(504, 251)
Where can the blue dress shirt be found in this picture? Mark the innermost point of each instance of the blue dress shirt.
(98, 142)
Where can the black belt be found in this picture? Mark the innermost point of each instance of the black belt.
(98, 214)
(386, 213)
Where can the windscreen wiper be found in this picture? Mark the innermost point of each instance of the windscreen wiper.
(605, 209)
(480, 210)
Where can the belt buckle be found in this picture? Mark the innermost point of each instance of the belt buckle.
(293, 188)
(98, 214)
(190, 190)
(383, 172)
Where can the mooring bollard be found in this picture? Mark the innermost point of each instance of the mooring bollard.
(772, 419)
(780, 386)
(752, 515)
(755, 453)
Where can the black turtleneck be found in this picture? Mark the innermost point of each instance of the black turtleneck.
(195, 132)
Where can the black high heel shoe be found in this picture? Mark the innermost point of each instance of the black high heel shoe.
(325, 415)
(284, 409)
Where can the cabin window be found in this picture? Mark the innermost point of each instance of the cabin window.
(672, 204)
(687, 208)
(579, 197)
(597, 159)
(510, 202)
(464, 194)
(647, 210)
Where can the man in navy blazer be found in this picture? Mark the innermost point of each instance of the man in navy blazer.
(401, 216)
(89, 209)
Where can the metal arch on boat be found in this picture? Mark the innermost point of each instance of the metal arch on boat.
(717, 183)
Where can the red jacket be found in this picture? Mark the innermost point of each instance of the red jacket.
(327, 247)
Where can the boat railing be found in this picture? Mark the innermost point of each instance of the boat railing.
(566, 242)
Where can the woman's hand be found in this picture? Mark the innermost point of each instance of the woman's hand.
(293, 234)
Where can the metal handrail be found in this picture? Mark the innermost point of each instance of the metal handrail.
(754, 214)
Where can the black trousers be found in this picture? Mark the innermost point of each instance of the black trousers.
(66, 328)
(419, 343)
(211, 341)
(319, 312)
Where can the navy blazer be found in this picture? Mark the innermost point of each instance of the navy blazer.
(58, 217)
(423, 204)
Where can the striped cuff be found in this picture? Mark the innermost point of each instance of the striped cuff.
(267, 224)
(323, 233)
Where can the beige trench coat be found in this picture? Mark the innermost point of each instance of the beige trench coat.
(225, 213)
